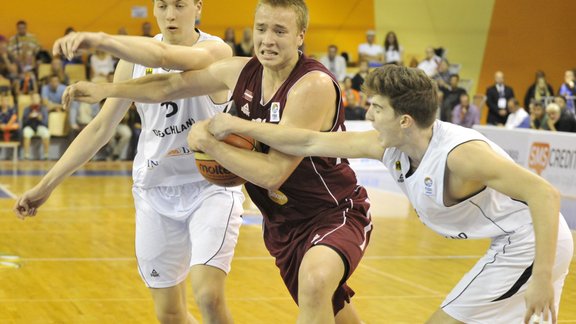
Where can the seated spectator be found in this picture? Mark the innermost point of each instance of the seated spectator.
(358, 79)
(539, 88)
(568, 90)
(35, 123)
(230, 39)
(101, 65)
(393, 52)
(57, 68)
(516, 114)
(52, 94)
(538, 117)
(451, 97)
(465, 114)
(430, 63)
(27, 83)
(80, 115)
(335, 63)
(370, 51)
(352, 102)
(246, 45)
(558, 121)
(8, 120)
(120, 140)
(566, 116)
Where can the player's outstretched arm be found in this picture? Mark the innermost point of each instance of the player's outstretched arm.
(300, 141)
(219, 76)
(85, 145)
(145, 51)
(542, 198)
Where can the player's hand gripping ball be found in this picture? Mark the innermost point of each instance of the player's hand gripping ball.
(215, 173)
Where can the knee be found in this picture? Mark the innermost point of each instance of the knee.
(171, 316)
(316, 286)
(209, 299)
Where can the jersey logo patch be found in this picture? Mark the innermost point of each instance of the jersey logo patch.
(428, 186)
(275, 112)
(245, 110)
(149, 71)
(248, 95)
(154, 273)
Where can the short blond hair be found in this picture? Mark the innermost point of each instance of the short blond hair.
(552, 107)
(299, 7)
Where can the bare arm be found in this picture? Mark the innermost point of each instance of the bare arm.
(299, 141)
(89, 141)
(304, 109)
(146, 51)
(542, 198)
(219, 76)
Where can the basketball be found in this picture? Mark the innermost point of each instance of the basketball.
(213, 172)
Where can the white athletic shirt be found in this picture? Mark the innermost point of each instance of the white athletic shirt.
(163, 157)
(484, 215)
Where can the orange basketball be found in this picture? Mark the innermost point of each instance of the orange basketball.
(215, 173)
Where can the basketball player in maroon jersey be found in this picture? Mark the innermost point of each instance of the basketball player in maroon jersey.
(316, 220)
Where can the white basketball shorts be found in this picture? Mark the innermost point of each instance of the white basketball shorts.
(493, 291)
(181, 226)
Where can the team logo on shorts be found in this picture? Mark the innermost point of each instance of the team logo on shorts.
(278, 197)
(428, 186)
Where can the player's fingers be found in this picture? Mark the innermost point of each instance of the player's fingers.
(56, 48)
(32, 212)
(19, 210)
(528, 315)
(553, 313)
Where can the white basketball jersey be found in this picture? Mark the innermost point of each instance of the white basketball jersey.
(486, 214)
(163, 157)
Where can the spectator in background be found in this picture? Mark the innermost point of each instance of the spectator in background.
(135, 124)
(370, 51)
(8, 119)
(8, 65)
(392, 50)
(35, 123)
(24, 46)
(147, 29)
(497, 97)
(122, 31)
(559, 120)
(27, 83)
(516, 114)
(80, 115)
(452, 96)
(538, 117)
(568, 90)
(119, 141)
(430, 63)
(360, 76)
(334, 62)
(566, 116)
(464, 113)
(352, 102)
(246, 46)
(52, 94)
(77, 59)
(230, 39)
(101, 65)
(442, 76)
(539, 89)
(57, 68)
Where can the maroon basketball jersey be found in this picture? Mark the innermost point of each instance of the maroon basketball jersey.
(318, 184)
